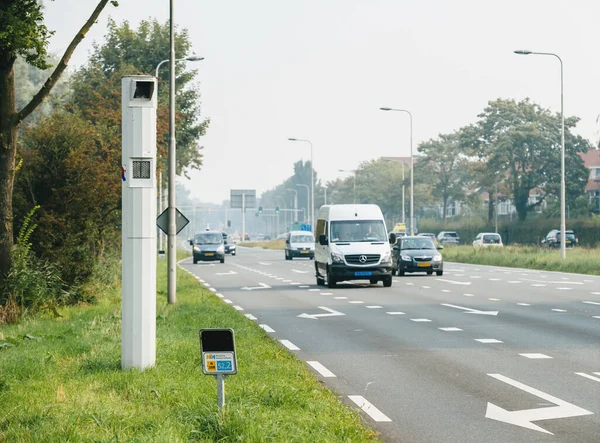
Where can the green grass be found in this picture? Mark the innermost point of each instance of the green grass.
(60, 380)
(579, 260)
(278, 245)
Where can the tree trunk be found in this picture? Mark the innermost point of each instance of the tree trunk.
(8, 148)
(445, 208)
(491, 206)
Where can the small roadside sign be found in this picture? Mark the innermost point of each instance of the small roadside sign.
(162, 221)
(217, 347)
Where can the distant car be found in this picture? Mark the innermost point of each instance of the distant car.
(282, 236)
(208, 246)
(300, 244)
(431, 235)
(487, 239)
(448, 237)
(247, 237)
(552, 239)
(417, 254)
(230, 246)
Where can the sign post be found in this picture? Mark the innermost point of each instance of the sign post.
(217, 349)
(242, 199)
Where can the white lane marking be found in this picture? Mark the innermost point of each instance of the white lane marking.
(559, 310)
(459, 275)
(494, 299)
(470, 310)
(588, 281)
(220, 295)
(295, 283)
(280, 278)
(562, 282)
(314, 290)
(410, 284)
(475, 276)
(420, 320)
(369, 409)
(326, 293)
(288, 344)
(252, 288)
(524, 418)
(468, 295)
(201, 281)
(565, 289)
(251, 317)
(595, 316)
(304, 286)
(592, 302)
(321, 369)
(297, 271)
(238, 308)
(267, 328)
(374, 307)
(340, 298)
(535, 356)
(332, 313)
(488, 340)
(495, 279)
(523, 304)
(263, 263)
(446, 290)
(595, 293)
(212, 290)
(465, 283)
(395, 313)
(286, 281)
(356, 302)
(229, 302)
(591, 377)
(452, 329)
(514, 281)
(226, 273)
(538, 285)
(426, 287)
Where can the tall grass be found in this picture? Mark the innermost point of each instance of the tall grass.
(578, 260)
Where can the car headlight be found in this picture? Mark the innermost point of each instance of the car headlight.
(406, 258)
(437, 258)
(221, 248)
(336, 258)
(196, 248)
(232, 247)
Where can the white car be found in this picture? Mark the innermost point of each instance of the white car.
(486, 239)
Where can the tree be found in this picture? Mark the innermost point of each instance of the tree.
(521, 143)
(447, 166)
(23, 33)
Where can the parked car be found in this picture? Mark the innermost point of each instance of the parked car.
(431, 235)
(486, 239)
(300, 244)
(208, 246)
(448, 237)
(417, 254)
(552, 239)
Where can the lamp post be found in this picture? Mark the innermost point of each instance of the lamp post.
(354, 186)
(307, 200)
(312, 179)
(412, 194)
(563, 228)
(295, 204)
(192, 58)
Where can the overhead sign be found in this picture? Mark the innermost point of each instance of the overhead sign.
(217, 347)
(305, 227)
(162, 221)
(242, 197)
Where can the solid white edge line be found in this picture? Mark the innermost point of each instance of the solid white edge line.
(267, 328)
(369, 409)
(288, 344)
(321, 369)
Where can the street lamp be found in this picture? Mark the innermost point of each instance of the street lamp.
(307, 199)
(354, 172)
(563, 228)
(295, 203)
(412, 194)
(192, 58)
(312, 179)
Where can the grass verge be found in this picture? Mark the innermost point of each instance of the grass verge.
(274, 244)
(60, 380)
(579, 260)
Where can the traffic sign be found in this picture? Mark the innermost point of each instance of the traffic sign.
(306, 227)
(162, 221)
(217, 347)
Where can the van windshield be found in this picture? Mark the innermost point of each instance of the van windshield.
(208, 239)
(303, 238)
(357, 231)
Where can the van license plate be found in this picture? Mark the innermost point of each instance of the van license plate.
(363, 274)
(304, 252)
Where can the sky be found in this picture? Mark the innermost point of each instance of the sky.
(321, 69)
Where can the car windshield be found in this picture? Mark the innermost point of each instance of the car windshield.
(208, 238)
(491, 238)
(357, 231)
(416, 243)
(305, 238)
(450, 234)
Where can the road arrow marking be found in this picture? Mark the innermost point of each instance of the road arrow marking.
(465, 283)
(226, 273)
(332, 313)
(299, 272)
(252, 288)
(471, 311)
(524, 417)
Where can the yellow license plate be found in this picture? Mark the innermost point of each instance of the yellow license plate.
(304, 252)
(423, 265)
(209, 254)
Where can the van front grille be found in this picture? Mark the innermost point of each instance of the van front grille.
(362, 259)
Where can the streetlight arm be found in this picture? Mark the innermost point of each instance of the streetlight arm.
(193, 58)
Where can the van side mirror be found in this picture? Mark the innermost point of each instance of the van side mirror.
(440, 247)
(191, 242)
(392, 238)
(323, 240)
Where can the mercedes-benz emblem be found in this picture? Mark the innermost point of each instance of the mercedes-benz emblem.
(362, 259)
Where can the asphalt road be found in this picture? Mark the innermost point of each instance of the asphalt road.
(481, 354)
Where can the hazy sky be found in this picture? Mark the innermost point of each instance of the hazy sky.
(320, 70)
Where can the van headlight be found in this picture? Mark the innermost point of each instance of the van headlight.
(221, 248)
(406, 258)
(336, 258)
(385, 258)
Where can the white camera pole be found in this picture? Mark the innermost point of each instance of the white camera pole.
(138, 175)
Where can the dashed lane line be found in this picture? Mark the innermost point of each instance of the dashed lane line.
(488, 340)
(535, 356)
(288, 344)
(321, 369)
(451, 329)
(369, 409)
(267, 328)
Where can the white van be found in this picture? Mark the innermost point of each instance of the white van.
(299, 244)
(352, 243)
